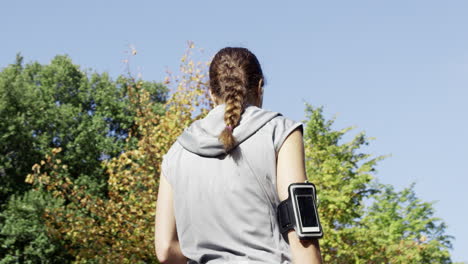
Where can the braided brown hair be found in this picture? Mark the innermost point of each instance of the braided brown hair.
(235, 75)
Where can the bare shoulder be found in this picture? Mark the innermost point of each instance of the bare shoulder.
(290, 165)
(293, 142)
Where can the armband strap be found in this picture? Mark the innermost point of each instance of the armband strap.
(285, 216)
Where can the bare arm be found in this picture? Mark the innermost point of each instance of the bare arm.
(291, 169)
(166, 241)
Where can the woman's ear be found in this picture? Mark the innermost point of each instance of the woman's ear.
(213, 98)
(260, 93)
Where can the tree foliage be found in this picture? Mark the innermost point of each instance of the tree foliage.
(120, 227)
(400, 228)
(87, 115)
(23, 236)
(59, 105)
(395, 228)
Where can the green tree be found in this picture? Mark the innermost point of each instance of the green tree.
(86, 114)
(22, 222)
(396, 227)
(400, 228)
(119, 228)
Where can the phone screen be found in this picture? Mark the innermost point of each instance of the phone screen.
(307, 211)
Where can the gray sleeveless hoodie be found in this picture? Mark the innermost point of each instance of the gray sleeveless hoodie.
(225, 205)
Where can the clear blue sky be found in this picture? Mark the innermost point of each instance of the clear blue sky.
(397, 69)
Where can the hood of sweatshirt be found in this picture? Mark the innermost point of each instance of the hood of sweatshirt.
(201, 137)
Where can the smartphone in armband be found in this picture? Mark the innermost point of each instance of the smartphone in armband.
(299, 212)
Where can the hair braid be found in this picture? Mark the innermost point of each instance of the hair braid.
(234, 74)
(233, 85)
